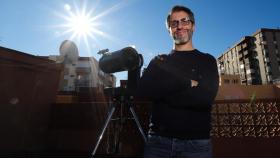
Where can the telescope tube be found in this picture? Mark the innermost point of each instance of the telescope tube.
(126, 59)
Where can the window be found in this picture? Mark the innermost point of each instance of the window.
(265, 53)
(226, 81)
(274, 36)
(234, 81)
(268, 63)
(248, 71)
(66, 70)
(263, 38)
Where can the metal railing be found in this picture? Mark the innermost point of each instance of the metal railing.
(246, 118)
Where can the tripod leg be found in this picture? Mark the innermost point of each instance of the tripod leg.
(138, 123)
(103, 129)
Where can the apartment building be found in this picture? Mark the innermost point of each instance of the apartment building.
(254, 58)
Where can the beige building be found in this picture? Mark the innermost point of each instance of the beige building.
(83, 73)
(229, 80)
(80, 72)
(254, 58)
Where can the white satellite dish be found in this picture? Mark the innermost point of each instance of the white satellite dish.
(68, 52)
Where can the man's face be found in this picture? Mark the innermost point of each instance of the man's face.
(181, 28)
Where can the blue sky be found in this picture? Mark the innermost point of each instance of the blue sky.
(34, 26)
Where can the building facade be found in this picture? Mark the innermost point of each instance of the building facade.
(254, 58)
(229, 80)
(83, 73)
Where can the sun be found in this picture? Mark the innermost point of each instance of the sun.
(81, 23)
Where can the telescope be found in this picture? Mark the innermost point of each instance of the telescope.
(126, 59)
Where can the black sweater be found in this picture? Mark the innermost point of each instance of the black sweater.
(179, 110)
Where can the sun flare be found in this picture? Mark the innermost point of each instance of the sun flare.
(82, 23)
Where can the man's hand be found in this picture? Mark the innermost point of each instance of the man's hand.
(194, 83)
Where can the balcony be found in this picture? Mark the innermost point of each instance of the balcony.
(240, 128)
(83, 70)
(263, 43)
(268, 69)
(245, 53)
(266, 60)
(250, 71)
(244, 45)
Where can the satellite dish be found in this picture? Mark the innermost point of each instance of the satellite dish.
(68, 52)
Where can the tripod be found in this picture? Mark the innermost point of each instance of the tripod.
(113, 106)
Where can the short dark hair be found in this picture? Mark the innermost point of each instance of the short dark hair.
(178, 8)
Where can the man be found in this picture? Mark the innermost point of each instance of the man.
(182, 86)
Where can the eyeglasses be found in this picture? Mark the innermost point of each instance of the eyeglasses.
(184, 22)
